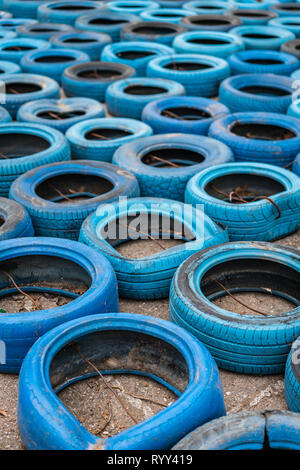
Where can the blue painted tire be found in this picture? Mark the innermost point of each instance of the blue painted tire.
(210, 43)
(127, 98)
(117, 132)
(134, 53)
(258, 220)
(4, 14)
(39, 145)
(89, 42)
(14, 49)
(103, 22)
(289, 23)
(63, 260)
(253, 17)
(257, 92)
(278, 63)
(257, 4)
(219, 23)
(149, 277)
(260, 430)
(66, 12)
(291, 47)
(292, 378)
(31, 87)
(7, 34)
(16, 222)
(69, 111)
(202, 7)
(135, 7)
(23, 8)
(171, 15)
(52, 219)
(171, 3)
(79, 80)
(8, 67)
(262, 37)
(248, 344)
(196, 78)
(195, 152)
(43, 30)
(286, 9)
(296, 165)
(4, 116)
(151, 31)
(187, 115)
(11, 24)
(231, 131)
(200, 399)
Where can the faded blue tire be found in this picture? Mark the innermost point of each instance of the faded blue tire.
(14, 49)
(271, 199)
(289, 23)
(292, 378)
(218, 23)
(58, 263)
(213, 43)
(249, 135)
(292, 47)
(7, 34)
(27, 146)
(278, 63)
(4, 115)
(23, 8)
(42, 30)
(127, 98)
(187, 115)
(91, 79)
(4, 14)
(151, 31)
(152, 161)
(257, 92)
(66, 12)
(286, 9)
(171, 15)
(188, 371)
(202, 7)
(253, 17)
(11, 24)
(23, 87)
(103, 22)
(149, 277)
(98, 139)
(16, 222)
(89, 42)
(262, 37)
(60, 114)
(200, 75)
(245, 343)
(135, 7)
(8, 67)
(296, 165)
(85, 185)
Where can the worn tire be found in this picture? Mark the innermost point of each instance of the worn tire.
(135, 7)
(42, 30)
(292, 47)
(25, 44)
(103, 22)
(16, 222)
(171, 15)
(8, 67)
(213, 43)
(4, 115)
(275, 62)
(202, 7)
(296, 165)
(253, 17)
(218, 23)
(262, 37)
(23, 8)
(89, 42)
(292, 378)
(289, 23)
(66, 12)
(11, 24)
(151, 31)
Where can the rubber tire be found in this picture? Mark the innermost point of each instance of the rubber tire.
(43, 31)
(259, 220)
(110, 54)
(49, 89)
(91, 109)
(130, 32)
(6, 34)
(292, 378)
(103, 150)
(289, 23)
(204, 83)
(202, 7)
(285, 63)
(136, 7)
(161, 15)
(46, 13)
(296, 165)
(183, 44)
(23, 8)
(260, 430)
(201, 401)
(232, 93)
(150, 277)
(291, 47)
(111, 27)
(90, 88)
(219, 23)
(16, 220)
(169, 182)
(8, 67)
(11, 24)
(286, 9)
(255, 17)
(4, 14)
(64, 220)
(279, 153)
(123, 104)
(4, 116)
(21, 331)
(11, 168)
(93, 48)
(16, 56)
(278, 36)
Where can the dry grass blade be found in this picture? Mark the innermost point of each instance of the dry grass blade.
(35, 303)
(143, 233)
(167, 162)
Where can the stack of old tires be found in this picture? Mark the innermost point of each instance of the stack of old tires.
(181, 117)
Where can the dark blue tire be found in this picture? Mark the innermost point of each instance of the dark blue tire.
(127, 98)
(113, 133)
(171, 15)
(155, 31)
(4, 116)
(198, 384)
(233, 129)
(259, 220)
(103, 22)
(89, 42)
(291, 47)
(278, 63)
(253, 17)
(28, 146)
(190, 153)
(257, 92)
(292, 378)
(8, 67)
(60, 114)
(248, 344)
(52, 260)
(90, 80)
(296, 165)
(219, 23)
(16, 222)
(262, 37)
(43, 30)
(11, 24)
(289, 23)
(214, 43)
(202, 7)
(200, 75)
(23, 8)
(134, 53)
(149, 277)
(95, 183)
(29, 87)
(14, 49)
(260, 430)
(187, 115)
(52, 62)
(66, 12)
(286, 9)
(135, 7)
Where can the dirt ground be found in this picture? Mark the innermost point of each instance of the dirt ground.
(98, 408)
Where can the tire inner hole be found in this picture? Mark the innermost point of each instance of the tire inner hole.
(18, 48)
(250, 14)
(209, 41)
(107, 21)
(259, 36)
(17, 145)
(133, 55)
(99, 74)
(175, 157)
(153, 30)
(107, 134)
(167, 15)
(14, 88)
(2, 221)
(262, 131)
(75, 40)
(208, 22)
(72, 7)
(258, 61)
(44, 30)
(186, 113)
(265, 90)
(144, 90)
(54, 114)
(186, 66)
(52, 59)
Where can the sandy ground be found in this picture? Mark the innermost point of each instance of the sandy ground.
(100, 411)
